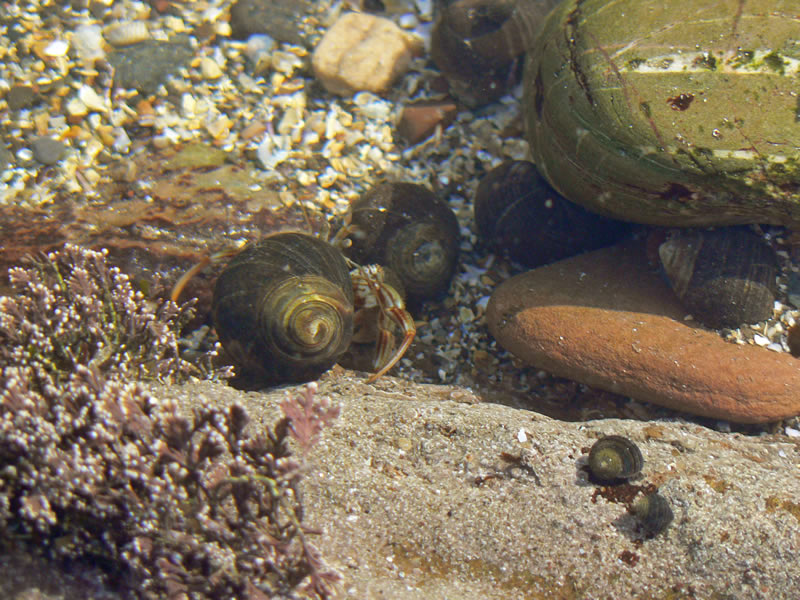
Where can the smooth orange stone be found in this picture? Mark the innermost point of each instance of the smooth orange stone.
(608, 320)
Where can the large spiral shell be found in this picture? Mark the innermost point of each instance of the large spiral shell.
(283, 307)
(406, 227)
(519, 214)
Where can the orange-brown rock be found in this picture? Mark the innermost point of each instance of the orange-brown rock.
(419, 120)
(607, 319)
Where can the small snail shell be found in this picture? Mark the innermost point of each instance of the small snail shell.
(405, 227)
(519, 214)
(474, 43)
(126, 33)
(724, 278)
(614, 457)
(283, 307)
(653, 512)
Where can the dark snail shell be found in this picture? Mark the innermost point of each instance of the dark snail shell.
(474, 43)
(653, 512)
(724, 278)
(519, 214)
(283, 307)
(613, 458)
(405, 227)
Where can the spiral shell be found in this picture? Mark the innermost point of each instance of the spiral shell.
(653, 512)
(519, 214)
(613, 458)
(474, 43)
(283, 307)
(724, 278)
(405, 227)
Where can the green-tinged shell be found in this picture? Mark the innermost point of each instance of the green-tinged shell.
(670, 112)
(283, 307)
(653, 512)
(408, 228)
(614, 457)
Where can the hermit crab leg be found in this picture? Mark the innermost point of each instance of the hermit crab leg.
(370, 290)
(177, 289)
(386, 340)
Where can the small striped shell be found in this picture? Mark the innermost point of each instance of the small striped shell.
(126, 33)
(613, 458)
(653, 512)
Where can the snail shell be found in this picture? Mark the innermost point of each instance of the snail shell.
(126, 33)
(518, 213)
(653, 512)
(283, 307)
(614, 457)
(405, 227)
(474, 43)
(724, 278)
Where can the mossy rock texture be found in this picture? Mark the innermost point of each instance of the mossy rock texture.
(669, 113)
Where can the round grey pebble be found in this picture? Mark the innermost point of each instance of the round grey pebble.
(146, 65)
(20, 96)
(280, 19)
(6, 158)
(48, 151)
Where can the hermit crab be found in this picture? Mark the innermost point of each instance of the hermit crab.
(287, 307)
(284, 308)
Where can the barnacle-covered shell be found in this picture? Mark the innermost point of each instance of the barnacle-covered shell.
(614, 457)
(406, 227)
(518, 213)
(672, 112)
(283, 307)
(653, 512)
(474, 43)
(724, 278)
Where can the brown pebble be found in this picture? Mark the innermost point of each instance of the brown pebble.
(419, 120)
(793, 340)
(608, 320)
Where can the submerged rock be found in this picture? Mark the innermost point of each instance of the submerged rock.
(607, 320)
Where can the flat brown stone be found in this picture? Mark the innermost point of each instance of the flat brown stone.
(608, 320)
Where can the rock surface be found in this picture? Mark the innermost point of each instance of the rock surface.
(606, 319)
(425, 491)
(362, 52)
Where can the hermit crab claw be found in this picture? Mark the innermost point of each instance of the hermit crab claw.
(371, 291)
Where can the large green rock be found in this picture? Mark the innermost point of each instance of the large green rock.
(670, 112)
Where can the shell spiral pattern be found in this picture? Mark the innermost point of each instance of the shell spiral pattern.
(283, 307)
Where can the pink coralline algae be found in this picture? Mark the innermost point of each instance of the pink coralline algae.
(94, 467)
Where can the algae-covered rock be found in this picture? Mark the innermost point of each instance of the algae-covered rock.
(669, 113)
